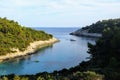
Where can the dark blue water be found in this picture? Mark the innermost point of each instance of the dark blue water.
(64, 54)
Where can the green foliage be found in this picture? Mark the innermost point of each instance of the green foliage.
(89, 75)
(99, 26)
(13, 35)
(5, 78)
(16, 78)
(24, 78)
(92, 76)
(40, 78)
(105, 53)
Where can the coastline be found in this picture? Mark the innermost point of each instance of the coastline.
(85, 33)
(32, 48)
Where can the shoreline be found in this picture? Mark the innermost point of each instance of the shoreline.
(32, 48)
(85, 33)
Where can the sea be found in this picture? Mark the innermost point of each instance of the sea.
(61, 55)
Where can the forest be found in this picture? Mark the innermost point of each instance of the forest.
(13, 35)
(103, 63)
(99, 26)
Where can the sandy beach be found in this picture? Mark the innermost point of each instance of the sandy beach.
(32, 48)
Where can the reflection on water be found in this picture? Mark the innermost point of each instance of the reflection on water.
(17, 65)
(64, 54)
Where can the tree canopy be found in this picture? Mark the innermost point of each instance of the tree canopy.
(99, 26)
(13, 35)
(105, 54)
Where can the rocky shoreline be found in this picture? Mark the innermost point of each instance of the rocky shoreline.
(81, 32)
(32, 48)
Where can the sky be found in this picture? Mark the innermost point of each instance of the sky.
(59, 13)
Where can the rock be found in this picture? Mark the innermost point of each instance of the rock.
(81, 32)
(72, 40)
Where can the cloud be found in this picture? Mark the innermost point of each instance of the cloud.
(30, 12)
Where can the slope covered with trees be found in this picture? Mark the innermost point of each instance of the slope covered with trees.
(13, 35)
(88, 75)
(96, 29)
(105, 54)
(104, 60)
(99, 26)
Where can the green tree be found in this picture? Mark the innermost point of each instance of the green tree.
(40, 78)
(16, 77)
(5, 78)
(24, 78)
(105, 53)
(13, 35)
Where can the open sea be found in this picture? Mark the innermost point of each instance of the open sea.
(64, 54)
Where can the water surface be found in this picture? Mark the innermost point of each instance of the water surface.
(64, 54)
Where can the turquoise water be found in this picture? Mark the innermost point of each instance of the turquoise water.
(64, 54)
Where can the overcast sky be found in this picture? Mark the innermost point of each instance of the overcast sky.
(59, 13)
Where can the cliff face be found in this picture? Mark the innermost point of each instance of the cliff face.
(81, 32)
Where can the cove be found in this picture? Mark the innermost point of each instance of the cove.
(64, 54)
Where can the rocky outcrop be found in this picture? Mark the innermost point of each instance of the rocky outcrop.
(81, 32)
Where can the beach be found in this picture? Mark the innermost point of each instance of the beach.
(32, 48)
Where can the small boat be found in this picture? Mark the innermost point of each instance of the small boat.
(72, 40)
(36, 61)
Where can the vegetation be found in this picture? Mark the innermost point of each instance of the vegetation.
(104, 57)
(56, 76)
(105, 54)
(99, 26)
(13, 35)
(104, 60)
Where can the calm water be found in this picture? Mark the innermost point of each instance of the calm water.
(64, 54)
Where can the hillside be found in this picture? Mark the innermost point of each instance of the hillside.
(95, 29)
(14, 36)
(103, 63)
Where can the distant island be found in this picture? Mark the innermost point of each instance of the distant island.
(17, 40)
(96, 29)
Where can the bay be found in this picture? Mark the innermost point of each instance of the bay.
(64, 54)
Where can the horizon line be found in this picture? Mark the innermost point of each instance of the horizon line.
(53, 27)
